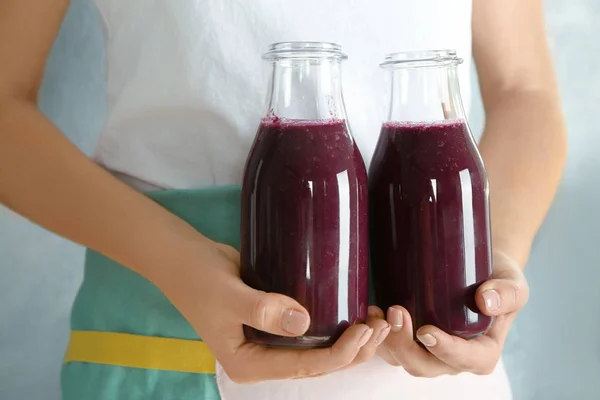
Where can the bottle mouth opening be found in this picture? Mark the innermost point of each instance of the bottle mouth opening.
(304, 51)
(421, 59)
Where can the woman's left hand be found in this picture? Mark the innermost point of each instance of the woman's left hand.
(501, 297)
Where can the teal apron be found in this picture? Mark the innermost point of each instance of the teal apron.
(128, 341)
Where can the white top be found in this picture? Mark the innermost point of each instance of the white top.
(186, 82)
(186, 88)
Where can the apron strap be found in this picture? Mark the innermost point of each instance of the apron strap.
(137, 351)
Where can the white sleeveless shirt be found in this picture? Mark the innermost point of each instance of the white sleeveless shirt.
(185, 91)
(186, 82)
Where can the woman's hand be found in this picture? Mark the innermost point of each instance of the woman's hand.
(217, 304)
(502, 297)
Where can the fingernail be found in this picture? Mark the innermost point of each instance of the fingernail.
(382, 335)
(395, 319)
(372, 312)
(294, 322)
(427, 339)
(365, 337)
(491, 299)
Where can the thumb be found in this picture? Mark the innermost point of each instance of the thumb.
(502, 296)
(273, 313)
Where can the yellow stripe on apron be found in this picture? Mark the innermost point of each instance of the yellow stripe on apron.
(137, 351)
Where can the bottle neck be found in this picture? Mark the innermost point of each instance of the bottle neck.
(307, 89)
(424, 94)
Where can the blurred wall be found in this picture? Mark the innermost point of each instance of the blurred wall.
(553, 351)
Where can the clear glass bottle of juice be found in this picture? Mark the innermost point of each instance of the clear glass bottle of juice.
(429, 202)
(304, 221)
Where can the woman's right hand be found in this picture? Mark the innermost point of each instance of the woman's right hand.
(208, 291)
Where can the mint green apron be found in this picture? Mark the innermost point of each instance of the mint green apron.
(117, 303)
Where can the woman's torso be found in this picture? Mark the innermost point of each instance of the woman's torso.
(185, 91)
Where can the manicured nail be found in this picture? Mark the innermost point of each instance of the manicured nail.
(294, 322)
(382, 335)
(395, 319)
(365, 337)
(491, 299)
(427, 339)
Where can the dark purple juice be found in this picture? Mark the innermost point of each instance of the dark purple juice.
(304, 225)
(430, 232)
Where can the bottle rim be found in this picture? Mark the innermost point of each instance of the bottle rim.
(304, 51)
(421, 59)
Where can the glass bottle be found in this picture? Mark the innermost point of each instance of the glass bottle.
(304, 228)
(429, 199)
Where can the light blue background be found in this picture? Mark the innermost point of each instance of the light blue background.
(554, 349)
